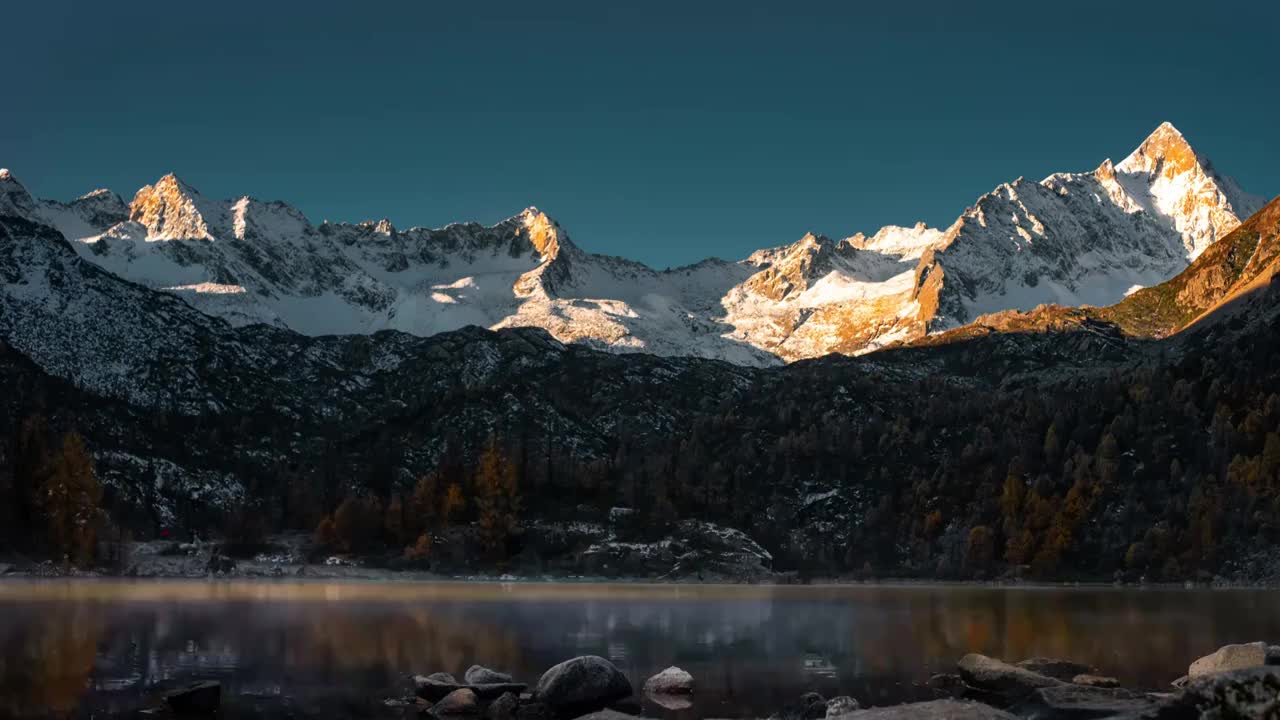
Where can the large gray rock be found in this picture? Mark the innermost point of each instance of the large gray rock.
(196, 699)
(582, 684)
(1079, 702)
(672, 681)
(932, 710)
(1248, 693)
(458, 702)
(1230, 657)
(1008, 682)
(1055, 668)
(481, 675)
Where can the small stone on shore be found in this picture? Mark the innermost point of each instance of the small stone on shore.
(458, 702)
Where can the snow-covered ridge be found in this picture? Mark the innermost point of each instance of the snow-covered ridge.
(1073, 238)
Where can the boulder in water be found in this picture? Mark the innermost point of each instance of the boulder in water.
(999, 678)
(1230, 657)
(582, 684)
(672, 681)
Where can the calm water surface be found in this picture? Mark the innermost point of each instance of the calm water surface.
(87, 648)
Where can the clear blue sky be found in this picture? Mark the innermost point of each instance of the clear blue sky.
(661, 131)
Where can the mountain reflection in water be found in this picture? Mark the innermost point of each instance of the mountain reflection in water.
(72, 648)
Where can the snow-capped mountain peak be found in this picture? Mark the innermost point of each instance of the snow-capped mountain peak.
(1086, 238)
(1165, 146)
(171, 209)
(1167, 177)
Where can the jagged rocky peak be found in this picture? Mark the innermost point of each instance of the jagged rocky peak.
(1165, 151)
(14, 198)
(1106, 171)
(101, 208)
(790, 269)
(545, 234)
(1183, 186)
(170, 210)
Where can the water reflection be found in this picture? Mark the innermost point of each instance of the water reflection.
(73, 648)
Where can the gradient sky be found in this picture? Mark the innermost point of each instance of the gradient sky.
(660, 131)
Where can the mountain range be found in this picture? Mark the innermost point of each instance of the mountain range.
(1116, 429)
(1071, 239)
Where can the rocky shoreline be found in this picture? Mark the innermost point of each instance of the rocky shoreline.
(167, 560)
(1236, 681)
